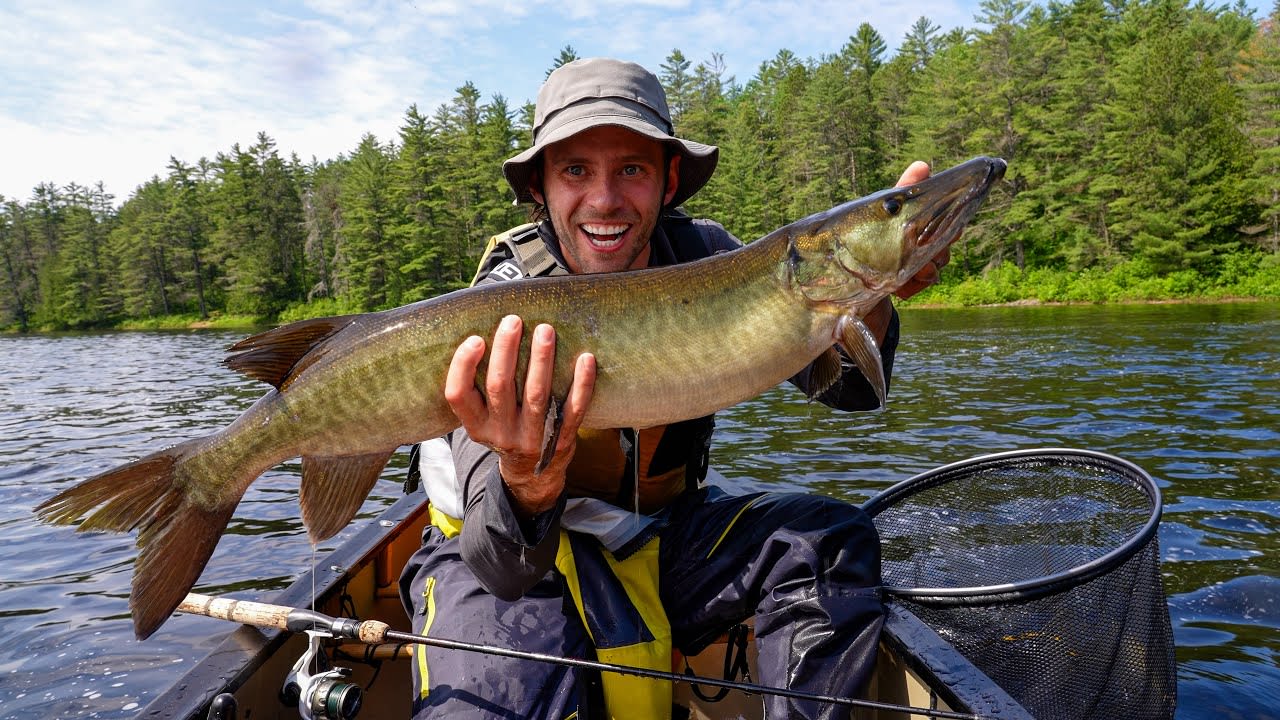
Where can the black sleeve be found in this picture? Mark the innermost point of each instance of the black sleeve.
(508, 556)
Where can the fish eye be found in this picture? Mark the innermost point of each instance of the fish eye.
(892, 205)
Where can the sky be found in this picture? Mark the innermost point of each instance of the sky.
(108, 92)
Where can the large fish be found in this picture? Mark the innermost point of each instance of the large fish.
(670, 343)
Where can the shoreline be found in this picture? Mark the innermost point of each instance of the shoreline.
(250, 325)
(1036, 302)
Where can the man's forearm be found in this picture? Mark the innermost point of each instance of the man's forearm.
(507, 555)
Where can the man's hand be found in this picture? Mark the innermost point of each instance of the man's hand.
(514, 425)
(878, 319)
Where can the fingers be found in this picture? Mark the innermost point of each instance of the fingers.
(926, 276)
(542, 356)
(915, 172)
(578, 401)
(500, 380)
(460, 383)
(509, 413)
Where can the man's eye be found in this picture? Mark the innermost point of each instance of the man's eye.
(631, 170)
(574, 170)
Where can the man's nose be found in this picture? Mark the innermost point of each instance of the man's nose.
(606, 193)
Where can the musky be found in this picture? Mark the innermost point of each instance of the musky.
(93, 91)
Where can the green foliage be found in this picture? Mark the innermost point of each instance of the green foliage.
(323, 307)
(1242, 274)
(1143, 139)
(214, 321)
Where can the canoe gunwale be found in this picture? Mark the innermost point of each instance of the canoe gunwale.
(956, 680)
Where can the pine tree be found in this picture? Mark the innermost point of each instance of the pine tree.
(566, 56)
(678, 85)
(189, 226)
(259, 240)
(372, 257)
(19, 291)
(1175, 138)
(1262, 124)
(706, 120)
(419, 193)
(142, 246)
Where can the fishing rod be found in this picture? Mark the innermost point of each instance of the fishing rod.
(375, 632)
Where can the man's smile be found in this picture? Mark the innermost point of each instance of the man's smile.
(605, 236)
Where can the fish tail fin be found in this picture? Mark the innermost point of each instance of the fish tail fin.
(177, 531)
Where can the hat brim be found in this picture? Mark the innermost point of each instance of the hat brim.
(697, 163)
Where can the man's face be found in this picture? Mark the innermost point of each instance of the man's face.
(604, 190)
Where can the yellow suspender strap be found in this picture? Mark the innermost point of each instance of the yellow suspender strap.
(450, 526)
(628, 696)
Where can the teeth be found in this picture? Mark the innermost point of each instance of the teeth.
(605, 229)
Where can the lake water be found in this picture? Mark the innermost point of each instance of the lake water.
(1191, 393)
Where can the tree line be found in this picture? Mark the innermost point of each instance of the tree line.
(1140, 133)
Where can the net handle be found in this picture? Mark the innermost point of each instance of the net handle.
(1038, 586)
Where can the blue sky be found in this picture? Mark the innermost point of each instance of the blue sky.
(93, 91)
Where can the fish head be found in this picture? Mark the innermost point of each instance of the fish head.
(863, 250)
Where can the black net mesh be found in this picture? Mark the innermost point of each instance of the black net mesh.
(1042, 568)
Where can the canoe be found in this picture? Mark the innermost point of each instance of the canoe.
(244, 675)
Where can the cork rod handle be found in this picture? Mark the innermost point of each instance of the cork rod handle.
(241, 611)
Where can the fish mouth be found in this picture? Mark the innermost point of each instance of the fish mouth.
(950, 200)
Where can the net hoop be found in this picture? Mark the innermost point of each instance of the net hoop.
(1035, 587)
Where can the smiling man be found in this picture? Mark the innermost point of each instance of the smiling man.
(604, 189)
(617, 548)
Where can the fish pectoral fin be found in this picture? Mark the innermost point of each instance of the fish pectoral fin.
(825, 372)
(278, 354)
(550, 433)
(334, 487)
(860, 344)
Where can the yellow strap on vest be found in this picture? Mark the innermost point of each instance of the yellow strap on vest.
(625, 696)
(450, 526)
(628, 696)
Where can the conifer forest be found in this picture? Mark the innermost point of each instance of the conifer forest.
(1143, 140)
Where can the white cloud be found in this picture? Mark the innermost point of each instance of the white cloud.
(92, 91)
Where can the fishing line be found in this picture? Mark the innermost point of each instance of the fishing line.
(376, 632)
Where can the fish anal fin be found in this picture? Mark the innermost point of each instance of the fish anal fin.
(276, 355)
(825, 372)
(334, 487)
(860, 345)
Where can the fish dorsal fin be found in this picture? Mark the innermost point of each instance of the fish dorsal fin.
(826, 372)
(333, 488)
(272, 356)
(860, 344)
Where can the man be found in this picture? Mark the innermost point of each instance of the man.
(547, 559)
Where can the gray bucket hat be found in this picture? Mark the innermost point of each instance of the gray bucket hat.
(600, 91)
